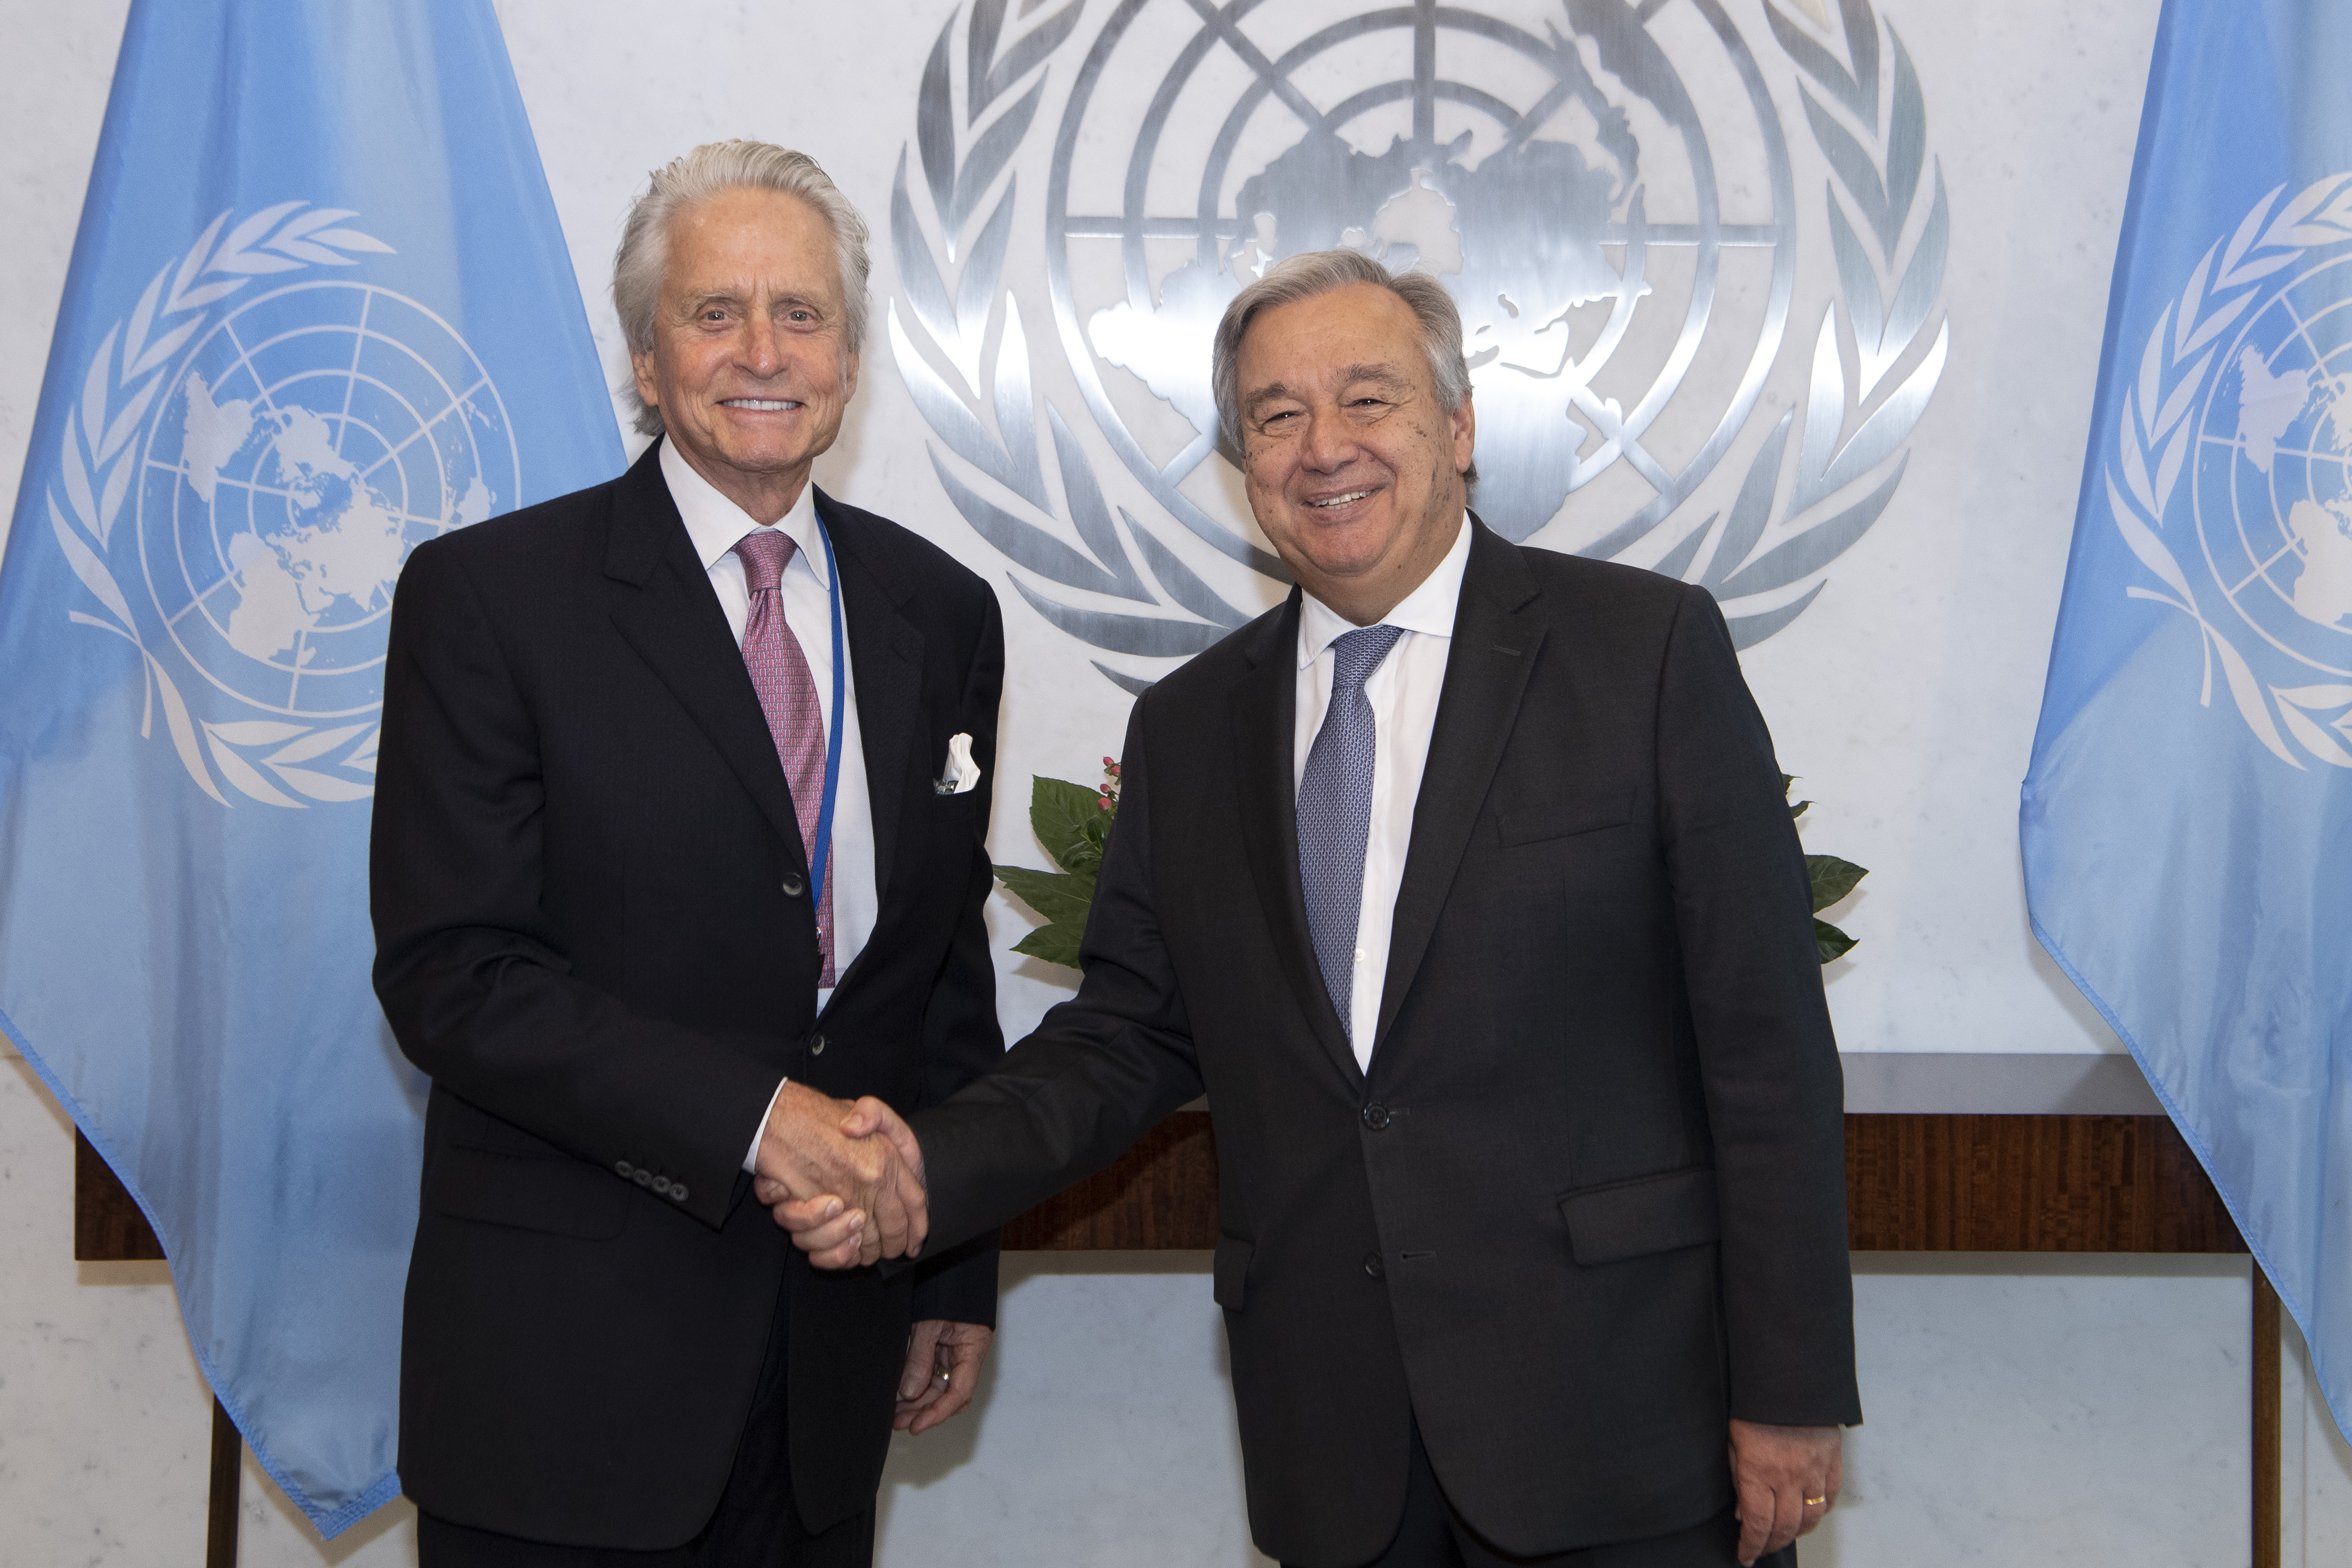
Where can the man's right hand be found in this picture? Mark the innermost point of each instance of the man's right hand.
(830, 1225)
(821, 1173)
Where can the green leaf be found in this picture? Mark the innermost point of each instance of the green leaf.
(1063, 815)
(1060, 897)
(1832, 879)
(1830, 942)
(1789, 782)
(1053, 943)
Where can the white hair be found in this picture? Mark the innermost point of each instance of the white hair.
(1314, 272)
(709, 171)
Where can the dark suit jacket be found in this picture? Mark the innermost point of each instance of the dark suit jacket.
(583, 845)
(1589, 1200)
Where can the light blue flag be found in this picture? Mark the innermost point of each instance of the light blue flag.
(2187, 817)
(320, 310)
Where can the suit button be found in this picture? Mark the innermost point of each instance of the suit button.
(1372, 1265)
(677, 1192)
(1376, 1116)
(817, 1045)
(625, 1169)
(644, 1178)
(794, 887)
(661, 1185)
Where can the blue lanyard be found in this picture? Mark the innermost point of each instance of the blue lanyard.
(821, 850)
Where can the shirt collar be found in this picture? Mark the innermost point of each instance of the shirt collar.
(1428, 609)
(713, 523)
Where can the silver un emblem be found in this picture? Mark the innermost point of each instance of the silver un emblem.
(1607, 190)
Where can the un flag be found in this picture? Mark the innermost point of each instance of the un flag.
(2187, 819)
(320, 310)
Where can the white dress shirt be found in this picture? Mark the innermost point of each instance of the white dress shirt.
(714, 523)
(1402, 694)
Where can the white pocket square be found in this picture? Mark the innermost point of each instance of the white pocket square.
(962, 772)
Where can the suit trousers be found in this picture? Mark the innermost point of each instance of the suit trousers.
(1431, 1535)
(755, 1525)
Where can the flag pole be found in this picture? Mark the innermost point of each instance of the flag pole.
(2266, 1364)
(228, 1467)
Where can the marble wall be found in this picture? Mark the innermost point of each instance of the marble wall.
(2078, 1412)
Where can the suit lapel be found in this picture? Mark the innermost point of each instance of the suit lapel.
(1264, 704)
(1487, 669)
(675, 624)
(886, 661)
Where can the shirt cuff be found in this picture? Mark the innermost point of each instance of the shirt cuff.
(751, 1155)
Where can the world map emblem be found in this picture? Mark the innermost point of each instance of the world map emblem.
(254, 464)
(1607, 188)
(2231, 480)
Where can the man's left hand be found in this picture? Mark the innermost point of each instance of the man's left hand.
(942, 1371)
(1786, 1480)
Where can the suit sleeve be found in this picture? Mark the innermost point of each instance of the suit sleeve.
(1101, 1071)
(962, 1038)
(1775, 1094)
(477, 988)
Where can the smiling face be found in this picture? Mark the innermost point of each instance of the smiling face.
(1354, 472)
(749, 365)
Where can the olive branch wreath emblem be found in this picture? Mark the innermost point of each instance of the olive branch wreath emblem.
(2156, 434)
(1882, 173)
(97, 460)
(1868, 119)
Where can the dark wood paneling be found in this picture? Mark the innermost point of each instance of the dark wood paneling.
(2029, 1184)
(108, 1226)
(1913, 1183)
(1161, 1194)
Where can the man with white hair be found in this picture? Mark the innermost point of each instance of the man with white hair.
(1464, 885)
(677, 848)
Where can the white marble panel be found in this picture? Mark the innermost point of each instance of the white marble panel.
(2315, 1468)
(1106, 1434)
(2063, 1411)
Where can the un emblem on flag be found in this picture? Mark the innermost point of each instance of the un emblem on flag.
(1608, 191)
(2245, 391)
(280, 454)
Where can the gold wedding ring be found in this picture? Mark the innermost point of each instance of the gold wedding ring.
(1817, 1501)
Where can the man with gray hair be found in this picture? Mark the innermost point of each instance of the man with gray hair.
(677, 850)
(1464, 885)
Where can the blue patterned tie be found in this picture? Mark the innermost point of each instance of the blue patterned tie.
(1335, 813)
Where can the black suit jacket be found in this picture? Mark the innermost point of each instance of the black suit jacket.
(582, 843)
(1589, 1200)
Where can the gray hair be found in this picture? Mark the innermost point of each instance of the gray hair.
(1314, 272)
(709, 171)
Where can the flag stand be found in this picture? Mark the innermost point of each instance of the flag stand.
(228, 1466)
(2267, 1412)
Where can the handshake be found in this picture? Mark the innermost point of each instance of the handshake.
(846, 1180)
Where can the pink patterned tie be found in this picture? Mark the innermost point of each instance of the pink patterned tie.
(780, 673)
